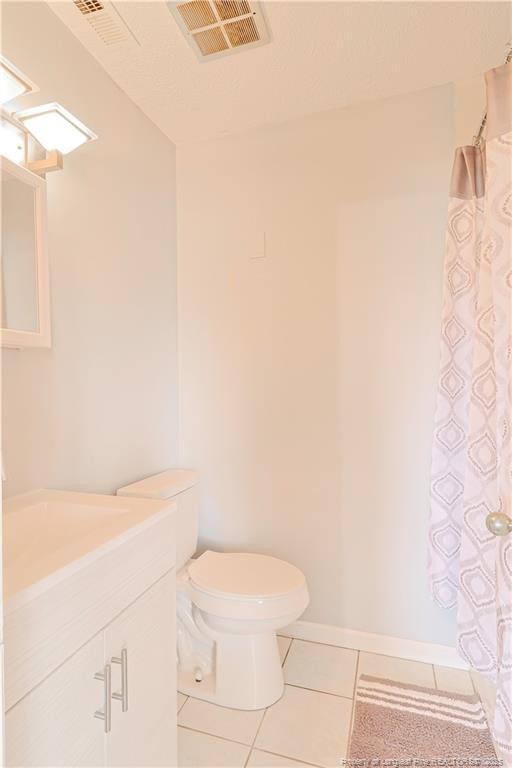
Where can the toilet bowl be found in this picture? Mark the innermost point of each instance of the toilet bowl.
(229, 607)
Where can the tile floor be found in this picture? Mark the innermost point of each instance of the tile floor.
(310, 725)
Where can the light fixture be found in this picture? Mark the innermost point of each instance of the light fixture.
(13, 83)
(55, 128)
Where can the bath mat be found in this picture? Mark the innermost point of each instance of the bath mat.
(396, 721)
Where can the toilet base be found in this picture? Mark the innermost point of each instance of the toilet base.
(247, 673)
(188, 685)
(240, 671)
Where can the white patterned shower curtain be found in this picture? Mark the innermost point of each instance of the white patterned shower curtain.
(472, 458)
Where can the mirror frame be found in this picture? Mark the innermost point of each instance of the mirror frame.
(10, 337)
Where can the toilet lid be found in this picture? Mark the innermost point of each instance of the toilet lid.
(244, 574)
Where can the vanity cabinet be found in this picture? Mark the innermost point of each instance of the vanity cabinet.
(53, 724)
(145, 733)
(135, 720)
(90, 630)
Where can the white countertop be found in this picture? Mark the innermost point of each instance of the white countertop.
(49, 534)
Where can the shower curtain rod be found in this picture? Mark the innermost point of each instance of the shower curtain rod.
(477, 140)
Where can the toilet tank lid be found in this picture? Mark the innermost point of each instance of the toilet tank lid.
(165, 485)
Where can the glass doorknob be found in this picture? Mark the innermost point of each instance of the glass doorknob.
(498, 523)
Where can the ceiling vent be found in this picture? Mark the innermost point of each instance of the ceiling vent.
(219, 27)
(88, 6)
(105, 21)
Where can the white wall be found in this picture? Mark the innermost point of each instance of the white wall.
(308, 377)
(100, 408)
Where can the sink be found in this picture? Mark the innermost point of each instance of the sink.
(47, 533)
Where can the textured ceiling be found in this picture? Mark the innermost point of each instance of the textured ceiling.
(323, 55)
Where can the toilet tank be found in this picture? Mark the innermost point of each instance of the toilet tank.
(180, 485)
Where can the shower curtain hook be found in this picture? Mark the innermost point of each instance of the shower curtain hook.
(479, 137)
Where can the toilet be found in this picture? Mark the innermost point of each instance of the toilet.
(229, 607)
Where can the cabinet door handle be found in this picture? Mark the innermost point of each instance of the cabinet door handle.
(105, 713)
(123, 696)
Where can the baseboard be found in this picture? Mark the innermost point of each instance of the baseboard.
(429, 653)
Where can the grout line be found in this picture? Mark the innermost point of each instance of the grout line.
(372, 653)
(353, 705)
(288, 757)
(319, 690)
(403, 658)
(287, 652)
(214, 736)
(331, 645)
(258, 730)
(251, 748)
(473, 687)
(355, 677)
(182, 704)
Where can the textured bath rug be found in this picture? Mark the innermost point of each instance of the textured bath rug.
(395, 721)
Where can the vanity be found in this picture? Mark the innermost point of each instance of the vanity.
(89, 629)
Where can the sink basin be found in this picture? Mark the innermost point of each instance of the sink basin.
(47, 533)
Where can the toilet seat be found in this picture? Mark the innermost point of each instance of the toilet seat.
(246, 586)
(244, 574)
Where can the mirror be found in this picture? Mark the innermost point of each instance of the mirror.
(24, 299)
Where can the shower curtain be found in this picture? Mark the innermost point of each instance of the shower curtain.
(471, 468)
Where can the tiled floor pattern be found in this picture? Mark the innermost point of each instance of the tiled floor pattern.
(310, 725)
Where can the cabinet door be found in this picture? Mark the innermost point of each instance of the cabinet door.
(54, 725)
(144, 734)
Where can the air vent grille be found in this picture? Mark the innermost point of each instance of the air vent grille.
(211, 41)
(197, 14)
(106, 21)
(108, 29)
(88, 6)
(219, 27)
(242, 32)
(230, 9)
